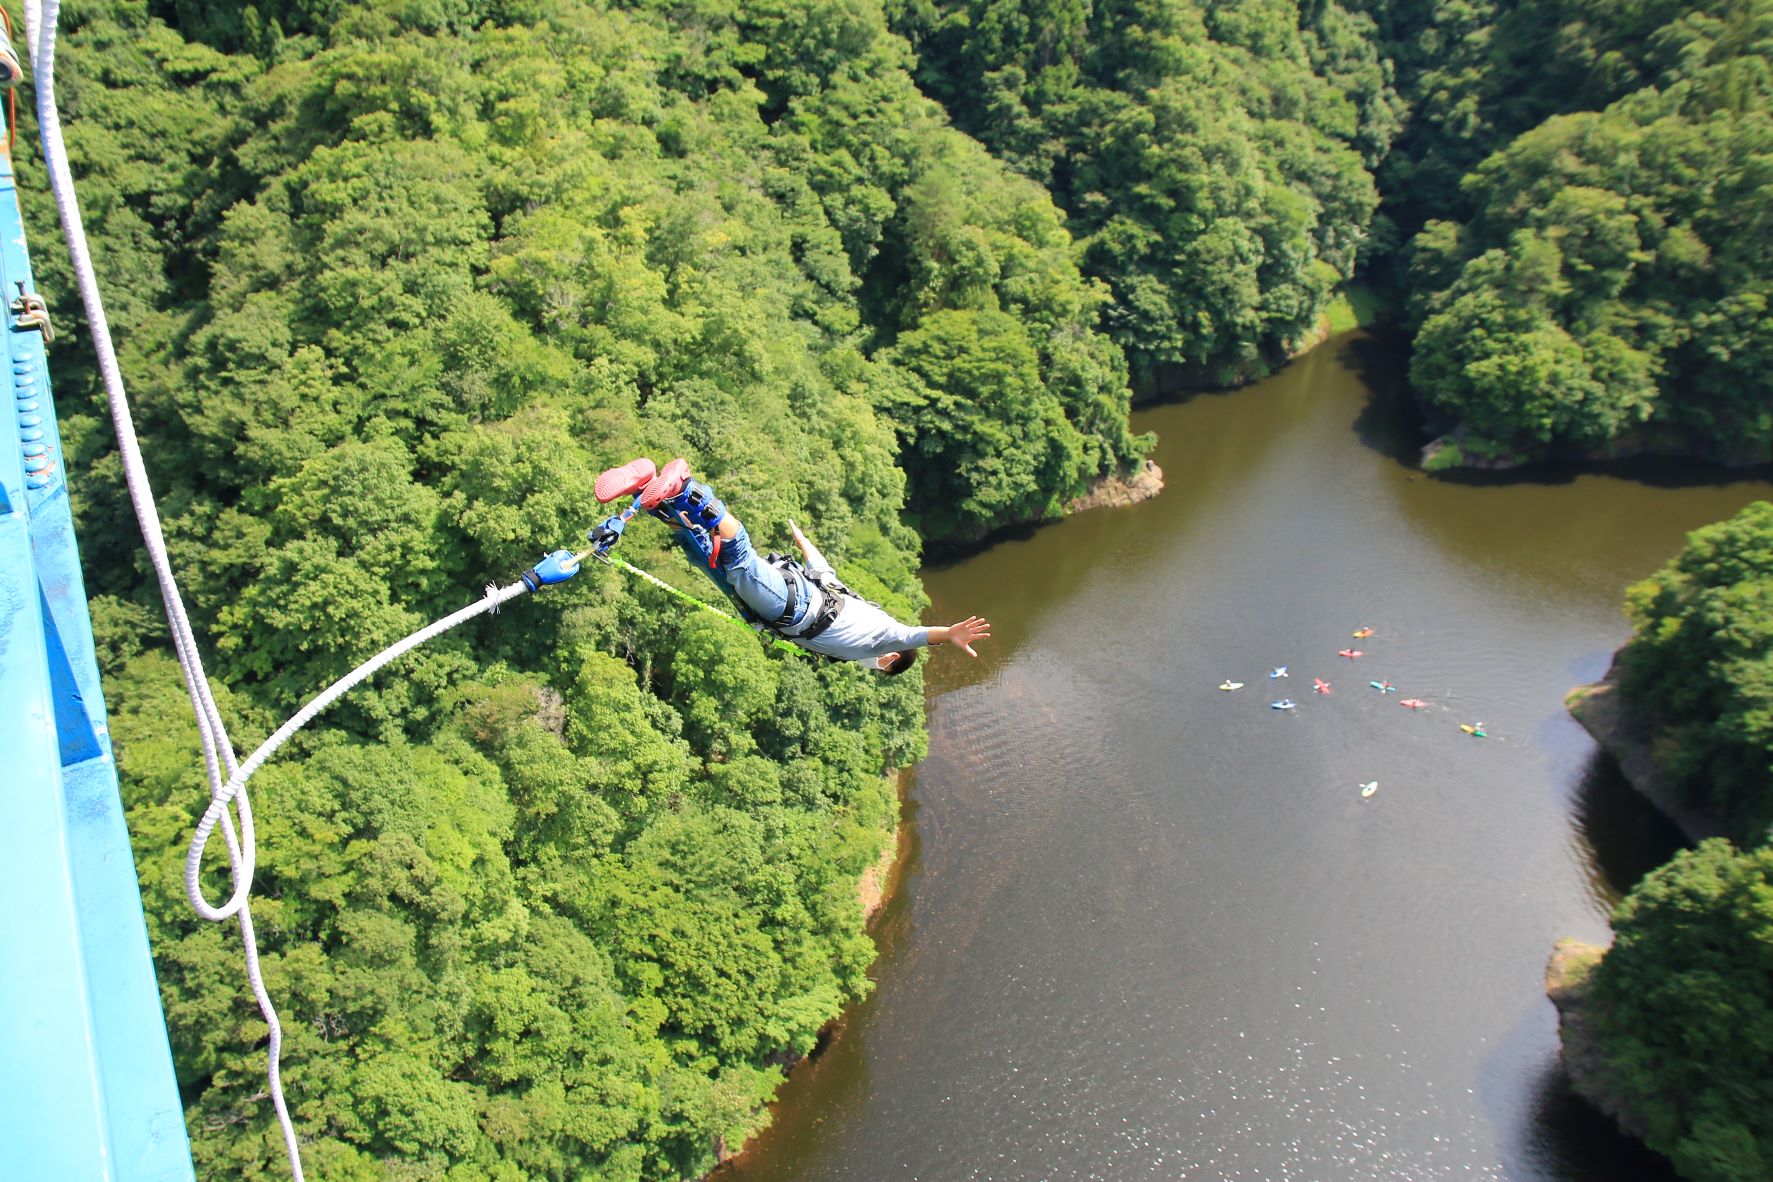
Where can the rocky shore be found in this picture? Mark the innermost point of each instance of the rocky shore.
(1567, 977)
(1121, 489)
(1627, 737)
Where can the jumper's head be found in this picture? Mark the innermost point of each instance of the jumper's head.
(893, 664)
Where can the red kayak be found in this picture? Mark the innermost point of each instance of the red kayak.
(1350, 653)
(1320, 685)
(1413, 703)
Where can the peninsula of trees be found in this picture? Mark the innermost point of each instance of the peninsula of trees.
(1671, 1030)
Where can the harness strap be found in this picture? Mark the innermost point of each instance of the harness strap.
(793, 581)
(830, 607)
(797, 577)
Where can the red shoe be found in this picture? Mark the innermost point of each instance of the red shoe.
(667, 484)
(630, 478)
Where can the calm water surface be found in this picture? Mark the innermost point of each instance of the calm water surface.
(1151, 930)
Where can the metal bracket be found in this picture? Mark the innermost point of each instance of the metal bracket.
(29, 311)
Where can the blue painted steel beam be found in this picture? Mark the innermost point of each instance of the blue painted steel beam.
(87, 1089)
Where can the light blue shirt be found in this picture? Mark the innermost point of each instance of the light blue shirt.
(861, 630)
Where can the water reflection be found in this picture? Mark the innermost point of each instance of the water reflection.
(1569, 1139)
(1625, 835)
(1390, 421)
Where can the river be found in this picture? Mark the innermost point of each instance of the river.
(1148, 929)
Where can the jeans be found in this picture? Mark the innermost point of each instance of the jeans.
(758, 585)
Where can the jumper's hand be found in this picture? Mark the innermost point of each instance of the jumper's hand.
(963, 634)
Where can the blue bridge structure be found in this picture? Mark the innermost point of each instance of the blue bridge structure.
(87, 1088)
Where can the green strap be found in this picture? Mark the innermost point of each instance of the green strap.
(685, 596)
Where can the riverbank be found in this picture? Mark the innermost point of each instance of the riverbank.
(1354, 306)
(1567, 977)
(1629, 738)
(1121, 489)
(1456, 451)
(880, 882)
(875, 888)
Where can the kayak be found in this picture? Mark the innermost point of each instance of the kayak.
(1283, 704)
(1228, 684)
(1413, 703)
(1370, 787)
(1476, 732)
(1319, 685)
(1281, 671)
(1350, 653)
(1361, 633)
(1384, 687)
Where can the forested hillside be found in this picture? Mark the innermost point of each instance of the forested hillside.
(1214, 158)
(559, 895)
(1598, 280)
(1565, 197)
(1700, 668)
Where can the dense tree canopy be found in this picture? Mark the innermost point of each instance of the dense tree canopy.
(1701, 665)
(558, 895)
(1683, 1017)
(1213, 157)
(1600, 275)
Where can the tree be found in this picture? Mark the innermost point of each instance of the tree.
(1682, 1017)
(1700, 664)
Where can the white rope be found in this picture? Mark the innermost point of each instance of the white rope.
(40, 26)
(218, 753)
(218, 803)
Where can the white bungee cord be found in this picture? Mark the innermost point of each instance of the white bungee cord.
(41, 17)
(227, 777)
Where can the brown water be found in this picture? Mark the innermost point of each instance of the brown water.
(1151, 930)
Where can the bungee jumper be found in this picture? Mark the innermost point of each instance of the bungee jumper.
(802, 601)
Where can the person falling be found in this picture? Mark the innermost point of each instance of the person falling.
(801, 601)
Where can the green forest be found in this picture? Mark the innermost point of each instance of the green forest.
(1681, 1016)
(1700, 665)
(561, 894)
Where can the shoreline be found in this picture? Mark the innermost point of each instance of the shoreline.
(1628, 738)
(875, 889)
(1567, 977)
(1452, 453)
(880, 882)
(1604, 713)
(1119, 490)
